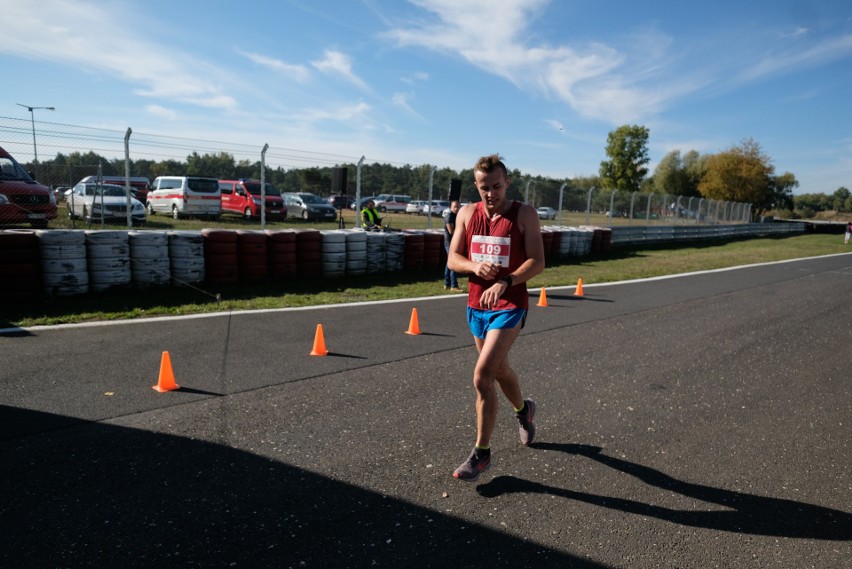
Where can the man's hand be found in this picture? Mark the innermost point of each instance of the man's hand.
(487, 271)
(492, 294)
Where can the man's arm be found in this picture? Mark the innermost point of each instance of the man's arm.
(533, 245)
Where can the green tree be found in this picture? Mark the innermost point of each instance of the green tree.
(670, 176)
(695, 167)
(627, 148)
(840, 199)
(219, 165)
(806, 205)
(167, 168)
(781, 194)
(741, 174)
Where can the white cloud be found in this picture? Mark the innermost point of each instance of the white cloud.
(797, 57)
(162, 112)
(66, 32)
(298, 73)
(585, 78)
(401, 100)
(338, 64)
(358, 112)
(416, 77)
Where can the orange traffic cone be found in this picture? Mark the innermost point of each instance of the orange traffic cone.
(167, 378)
(542, 298)
(579, 291)
(413, 325)
(319, 343)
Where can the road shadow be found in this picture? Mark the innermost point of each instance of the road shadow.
(741, 513)
(108, 496)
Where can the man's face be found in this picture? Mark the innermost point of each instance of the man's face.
(492, 188)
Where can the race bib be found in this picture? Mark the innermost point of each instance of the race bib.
(488, 249)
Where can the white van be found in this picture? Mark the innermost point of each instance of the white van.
(183, 196)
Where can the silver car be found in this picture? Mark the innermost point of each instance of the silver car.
(92, 202)
(309, 207)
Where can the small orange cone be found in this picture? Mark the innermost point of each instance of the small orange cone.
(167, 377)
(542, 298)
(579, 291)
(413, 325)
(319, 343)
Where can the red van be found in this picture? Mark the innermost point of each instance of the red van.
(242, 197)
(22, 199)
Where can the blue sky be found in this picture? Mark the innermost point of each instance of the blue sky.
(444, 81)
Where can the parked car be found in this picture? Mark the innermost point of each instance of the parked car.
(415, 206)
(139, 185)
(95, 202)
(185, 196)
(22, 199)
(59, 192)
(243, 197)
(546, 213)
(362, 203)
(309, 207)
(446, 211)
(436, 207)
(340, 201)
(392, 202)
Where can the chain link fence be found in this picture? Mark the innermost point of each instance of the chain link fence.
(60, 155)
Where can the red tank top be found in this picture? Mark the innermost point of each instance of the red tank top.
(500, 241)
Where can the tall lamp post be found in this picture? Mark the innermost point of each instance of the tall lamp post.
(32, 120)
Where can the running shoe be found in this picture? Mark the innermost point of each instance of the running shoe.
(526, 430)
(475, 465)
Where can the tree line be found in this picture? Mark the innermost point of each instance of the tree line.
(740, 173)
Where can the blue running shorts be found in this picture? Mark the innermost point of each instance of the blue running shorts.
(481, 321)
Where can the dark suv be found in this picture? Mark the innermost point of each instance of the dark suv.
(22, 199)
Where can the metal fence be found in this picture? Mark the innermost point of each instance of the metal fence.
(60, 155)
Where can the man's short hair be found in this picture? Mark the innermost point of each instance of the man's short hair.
(490, 163)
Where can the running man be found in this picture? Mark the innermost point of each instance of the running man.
(498, 243)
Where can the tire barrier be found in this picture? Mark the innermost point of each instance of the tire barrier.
(70, 262)
(415, 245)
(252, 256)
(394, 252)
(149, 258)
(221, 256)
(309, 252)
(65, 268)
(333, 253)
(552, 244)
(20, 267)
(377, 245)
(356, 252)
(547, 241)
(281, 249)
(186, 257)
(433, 249)
(108, 254)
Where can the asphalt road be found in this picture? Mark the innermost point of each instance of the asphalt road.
(689, 422)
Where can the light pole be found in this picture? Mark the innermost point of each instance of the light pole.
(32, 120)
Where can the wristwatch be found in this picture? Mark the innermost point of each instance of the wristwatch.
(508, 280)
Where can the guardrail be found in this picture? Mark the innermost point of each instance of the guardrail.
(648, 234)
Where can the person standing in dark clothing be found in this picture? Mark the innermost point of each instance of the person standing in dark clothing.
(451, 278)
